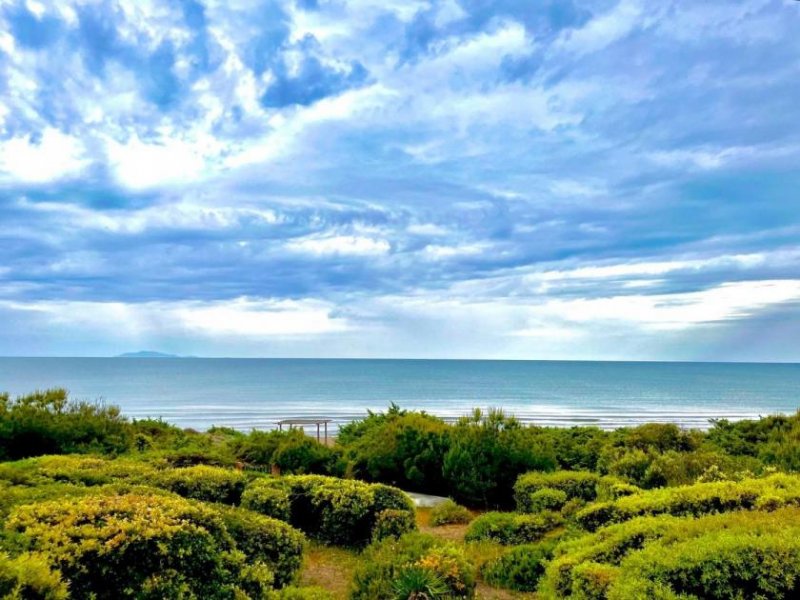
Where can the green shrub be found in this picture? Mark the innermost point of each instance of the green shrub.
(138, 546)
(301, 454)
(300, 593)
(611, 488)
(265, 540)
(393, 523)
(575, 484)
(547, 499)
(721, 564)
(397, 447)
(202, 482)
(697, 499)
(486, 455)
(49, 423)
(29, 577)
(595, 560)
(448, 513)
(426, 558)
(85, 470)
(268, 498)
(513, 528)
(338, 511)
(518, 568)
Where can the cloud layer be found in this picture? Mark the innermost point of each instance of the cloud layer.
(612, 179)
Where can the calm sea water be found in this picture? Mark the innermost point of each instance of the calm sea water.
(247, 394)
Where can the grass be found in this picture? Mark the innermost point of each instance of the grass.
(332, 568)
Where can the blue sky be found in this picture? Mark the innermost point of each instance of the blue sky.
(401, 178)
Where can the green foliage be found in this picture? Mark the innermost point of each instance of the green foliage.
(269, 498)
(300, 593)
(415, 582)
(487, 454)
(265, 540)
(336, 511)
(291, 451)
(202, 482)
(394, 562)
(573, 484)
(49, 423)
(513, 528)
(595, 561)
(518, 568)
(449, 513)
(29, 577)
(692, 500)
(392, 522)
(399, 448)
(137, 546)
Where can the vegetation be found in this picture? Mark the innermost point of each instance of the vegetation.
(449, 513)
(93, 505)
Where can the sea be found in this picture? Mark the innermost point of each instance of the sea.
(250, 394)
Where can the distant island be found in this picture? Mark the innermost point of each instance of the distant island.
(147, 354)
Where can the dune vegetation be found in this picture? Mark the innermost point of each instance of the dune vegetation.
(94, 505)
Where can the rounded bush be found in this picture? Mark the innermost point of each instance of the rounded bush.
(393, 523)
(513, 528)
(519, 568)
(138, 546)
(588, 567)
(29, 577)
(547, 499)
(575, 484)
(339, 511)
(694, 500)
(268, 498)
(266, 540)
(421, 557)
(449, 513)
(201, 482)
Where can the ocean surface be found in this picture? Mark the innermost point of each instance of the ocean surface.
(255, 393)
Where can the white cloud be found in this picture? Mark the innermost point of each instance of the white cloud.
(339, 245)
(55, 155)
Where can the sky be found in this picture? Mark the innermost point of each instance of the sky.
(516, 179)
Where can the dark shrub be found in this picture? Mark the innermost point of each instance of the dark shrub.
(487, 454)
(574, 484)
(519, 568)
(49, 423)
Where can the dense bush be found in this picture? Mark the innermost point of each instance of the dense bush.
(392, 522)
(487, 453)
(293, 452)
(518, 568)
(265, 540)
(335, 511)
(399, 448)
(411, 563)
(49, 423)
(138, 546)
(596, 560)
(575, 484)
(448, 513)
(268, 498)
(29, 577)
(693, 500)
(513, 528)
(202, 482)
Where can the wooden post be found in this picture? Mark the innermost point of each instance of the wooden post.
(317, 431)
(326, 433)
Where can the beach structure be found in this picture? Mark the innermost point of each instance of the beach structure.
(302, 422)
